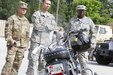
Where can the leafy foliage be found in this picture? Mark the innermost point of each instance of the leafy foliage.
(99, 10)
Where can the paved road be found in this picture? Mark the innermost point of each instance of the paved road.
(100, 69)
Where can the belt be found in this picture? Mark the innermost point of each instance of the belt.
(34, 30)
(21, 47)
(16, 38)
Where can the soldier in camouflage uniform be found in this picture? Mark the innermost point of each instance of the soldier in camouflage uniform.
(43, 23)
(80, 22)
(17, 37)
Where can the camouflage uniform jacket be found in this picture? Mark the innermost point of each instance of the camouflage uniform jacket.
(85, 22)
(17, 30)
(43, 24)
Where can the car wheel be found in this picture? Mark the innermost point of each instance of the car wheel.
(103, 60)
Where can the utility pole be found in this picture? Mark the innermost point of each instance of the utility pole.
(39, 3)
(58, 2)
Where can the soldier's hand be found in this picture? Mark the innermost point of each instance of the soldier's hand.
(11, 43)
(93, 45)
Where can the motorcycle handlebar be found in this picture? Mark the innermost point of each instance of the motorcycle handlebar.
(75, 33)
(78, 31)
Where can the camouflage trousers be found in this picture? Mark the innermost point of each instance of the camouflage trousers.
(13, 61)
(35, 66)
(83, 62)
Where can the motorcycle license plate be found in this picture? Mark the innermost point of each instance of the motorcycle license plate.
(54, 69)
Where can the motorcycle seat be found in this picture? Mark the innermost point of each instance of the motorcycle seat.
(59, 53)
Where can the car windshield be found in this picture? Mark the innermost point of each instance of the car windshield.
(101, 30)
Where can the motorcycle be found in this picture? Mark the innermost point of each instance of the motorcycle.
(60, 58)
(59, 61)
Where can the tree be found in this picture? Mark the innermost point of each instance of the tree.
(99, 10)
(93, 7)
(7, 7)
(106, 12)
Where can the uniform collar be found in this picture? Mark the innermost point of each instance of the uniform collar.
(81, 18)
(46, 14)
(20, 18)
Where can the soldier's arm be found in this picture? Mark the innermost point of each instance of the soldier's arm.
(35, 20)
(67, 31)
(70, 26)
(93, 32)
(28, 30)
(53, 25)
(8, 29)
(28, 34)
(54, 22)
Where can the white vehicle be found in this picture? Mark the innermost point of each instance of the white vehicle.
(104, 49)
(104, 32)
